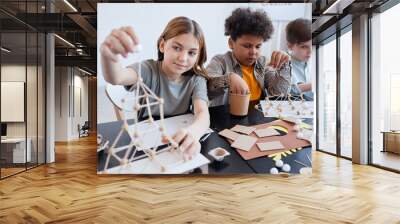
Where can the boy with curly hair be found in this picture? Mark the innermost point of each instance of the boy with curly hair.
(243, 69)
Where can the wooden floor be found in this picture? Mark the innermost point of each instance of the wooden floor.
(10, 171)
(70, 191)
(5, 172)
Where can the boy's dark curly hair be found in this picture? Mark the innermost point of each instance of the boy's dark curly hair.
(298, 31)
(245, 21)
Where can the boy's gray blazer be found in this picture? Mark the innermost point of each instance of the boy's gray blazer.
(222, 65)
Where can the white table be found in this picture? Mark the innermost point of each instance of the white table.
(19, 149)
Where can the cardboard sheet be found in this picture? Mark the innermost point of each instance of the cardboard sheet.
(244, 142)
(243, 129)
(274, 145)
(266, 132)
(229, 134)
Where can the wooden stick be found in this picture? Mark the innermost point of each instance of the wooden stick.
(300, 163)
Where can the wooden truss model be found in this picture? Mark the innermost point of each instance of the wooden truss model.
(286, 105)
(144, 99)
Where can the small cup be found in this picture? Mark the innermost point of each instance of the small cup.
(218, 153)
(239, 104)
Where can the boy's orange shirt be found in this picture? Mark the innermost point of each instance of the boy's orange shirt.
(248, 77)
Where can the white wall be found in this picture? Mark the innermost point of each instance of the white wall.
(68, 81)
(80, 83)
(34, 123)
(149, 20)
(15, 72)
(61, 111)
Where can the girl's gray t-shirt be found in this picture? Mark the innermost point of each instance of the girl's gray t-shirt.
(177, 96)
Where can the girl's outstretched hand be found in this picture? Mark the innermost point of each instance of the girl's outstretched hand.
(120, 41)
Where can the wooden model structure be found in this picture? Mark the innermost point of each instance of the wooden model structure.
(287, 105)
(284, 104)
(143, 99)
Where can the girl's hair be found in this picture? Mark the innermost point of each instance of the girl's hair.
(184, 25)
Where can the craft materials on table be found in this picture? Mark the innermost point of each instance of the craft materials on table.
(287, 106)
(253, 146)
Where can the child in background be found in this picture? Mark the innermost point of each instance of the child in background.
(243, 69)
(298, 37)
(178, 76)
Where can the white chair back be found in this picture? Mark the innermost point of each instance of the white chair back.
(115, 94)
